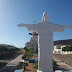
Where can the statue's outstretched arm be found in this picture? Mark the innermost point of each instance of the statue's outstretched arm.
(30, 27)
(23, 25)
(60, 28)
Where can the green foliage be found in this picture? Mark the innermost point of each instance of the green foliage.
(54, 65)
(64, 49)
(67, 48)
(20, 65)
(6, 49)
(70, 48)
(26, 50)
(24, 56)
(28, 55)
(36, 65)
(29, 52)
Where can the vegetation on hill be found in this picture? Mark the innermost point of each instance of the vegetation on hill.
(63, 42)
(7, 49)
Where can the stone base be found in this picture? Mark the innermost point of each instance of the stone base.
(58, 71)
(43, 71)
(49, 71)
(39, 71)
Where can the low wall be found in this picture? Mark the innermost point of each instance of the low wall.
(66, 52)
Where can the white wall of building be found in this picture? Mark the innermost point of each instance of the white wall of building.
(56, 50)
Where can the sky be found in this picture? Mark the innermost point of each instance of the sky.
(14, 12)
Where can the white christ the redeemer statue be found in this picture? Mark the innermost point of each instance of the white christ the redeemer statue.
(45, 31)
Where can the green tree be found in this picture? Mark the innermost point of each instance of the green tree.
(24, 56)
(31, 52)
(64, 49)
(70, 48)
(7, 49)
(67, 48)
(26, 49)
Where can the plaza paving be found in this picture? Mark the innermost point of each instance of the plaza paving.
(64, 62)
(10, 67)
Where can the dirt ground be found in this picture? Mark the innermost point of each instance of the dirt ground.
(6, 59)
(30, 68)
(65, 58)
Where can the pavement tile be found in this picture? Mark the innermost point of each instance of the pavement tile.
(60, 63)
(62, 66)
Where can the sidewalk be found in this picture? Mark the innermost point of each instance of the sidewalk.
(62, 66)
(10, 67)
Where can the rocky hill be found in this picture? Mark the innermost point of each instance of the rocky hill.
(63, 42)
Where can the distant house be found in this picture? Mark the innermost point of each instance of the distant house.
(58, 48)
(58, 45)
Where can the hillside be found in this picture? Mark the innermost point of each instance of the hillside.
(63, 42)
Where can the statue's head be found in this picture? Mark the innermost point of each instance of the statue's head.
(45, 17)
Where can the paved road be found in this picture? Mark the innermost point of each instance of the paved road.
(10, 67)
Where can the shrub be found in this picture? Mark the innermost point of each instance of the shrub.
(36, 65)
(54, 65)
(67, 48)
(24, 56)
(20, 65)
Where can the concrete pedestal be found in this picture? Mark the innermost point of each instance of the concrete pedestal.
(45, 52)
